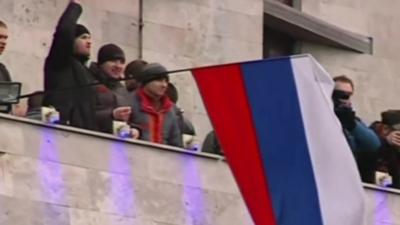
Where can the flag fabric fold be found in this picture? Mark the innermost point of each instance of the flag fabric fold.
(275, 122)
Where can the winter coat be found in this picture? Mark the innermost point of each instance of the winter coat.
(389, 161)
(365, 145)
(4, 77)
(65, 71)
(156, 126)
(110, 94)
(211, 144)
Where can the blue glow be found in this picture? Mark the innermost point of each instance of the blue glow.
(382, 210)
(121, 183)
(49, 170)
(194, 198)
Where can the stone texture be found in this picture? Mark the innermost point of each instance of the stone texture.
(84, 217)
(114, 193)
(49, 182)
(25, 212)
(83, 179)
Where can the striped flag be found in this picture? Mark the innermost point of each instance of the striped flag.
(275, 121)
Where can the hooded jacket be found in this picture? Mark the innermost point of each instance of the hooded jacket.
(64, 71)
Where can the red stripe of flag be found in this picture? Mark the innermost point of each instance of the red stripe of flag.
(224, 95)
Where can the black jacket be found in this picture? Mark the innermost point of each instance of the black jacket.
(4, 74)
(109, 95)
(63, 71)
(4, 77)
(389, 161)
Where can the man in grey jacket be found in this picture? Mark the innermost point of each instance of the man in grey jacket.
(152, 110)
(113, 101)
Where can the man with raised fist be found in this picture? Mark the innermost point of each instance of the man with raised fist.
(66, 74)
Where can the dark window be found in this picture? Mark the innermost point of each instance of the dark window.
(286, 2)
(284, 26)
(277, 43)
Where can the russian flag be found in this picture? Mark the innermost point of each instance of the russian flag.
(275, 121)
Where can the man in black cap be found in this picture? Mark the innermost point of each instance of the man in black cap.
(66, 75)
(113, 101)
(389, 158)
(152, 110)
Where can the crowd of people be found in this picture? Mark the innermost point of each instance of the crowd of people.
(144, 106)
(376, 148)
(92, 95)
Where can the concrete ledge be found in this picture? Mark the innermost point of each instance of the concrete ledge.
(381, 189)
(75, 176)
(106, 136)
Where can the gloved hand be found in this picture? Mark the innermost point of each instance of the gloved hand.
(347, 118)
(394, 138)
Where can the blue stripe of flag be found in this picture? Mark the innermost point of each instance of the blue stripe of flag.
(275, 108)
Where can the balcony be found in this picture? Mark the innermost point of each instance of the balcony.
(70, 176)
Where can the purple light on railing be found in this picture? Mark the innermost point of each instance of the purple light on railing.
(382, 214)
(194, 197)
(121, 181)
(49, 170)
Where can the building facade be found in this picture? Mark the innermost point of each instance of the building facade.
(184, 34)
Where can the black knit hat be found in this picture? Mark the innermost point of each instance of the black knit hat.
(110, 52)
(391, 118)
(80, 29)
(152, 71)
(132, 69)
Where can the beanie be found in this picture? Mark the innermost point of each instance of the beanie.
(152, 71)
(110, 52)
(80, 29)
(133, 68)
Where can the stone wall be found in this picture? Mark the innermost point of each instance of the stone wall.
(65, 176)
(376, 76)
(69, 177)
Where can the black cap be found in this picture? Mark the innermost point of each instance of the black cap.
(110, 52)
(132, 69)
(391, 118)
(152, 71)
(80, 29)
